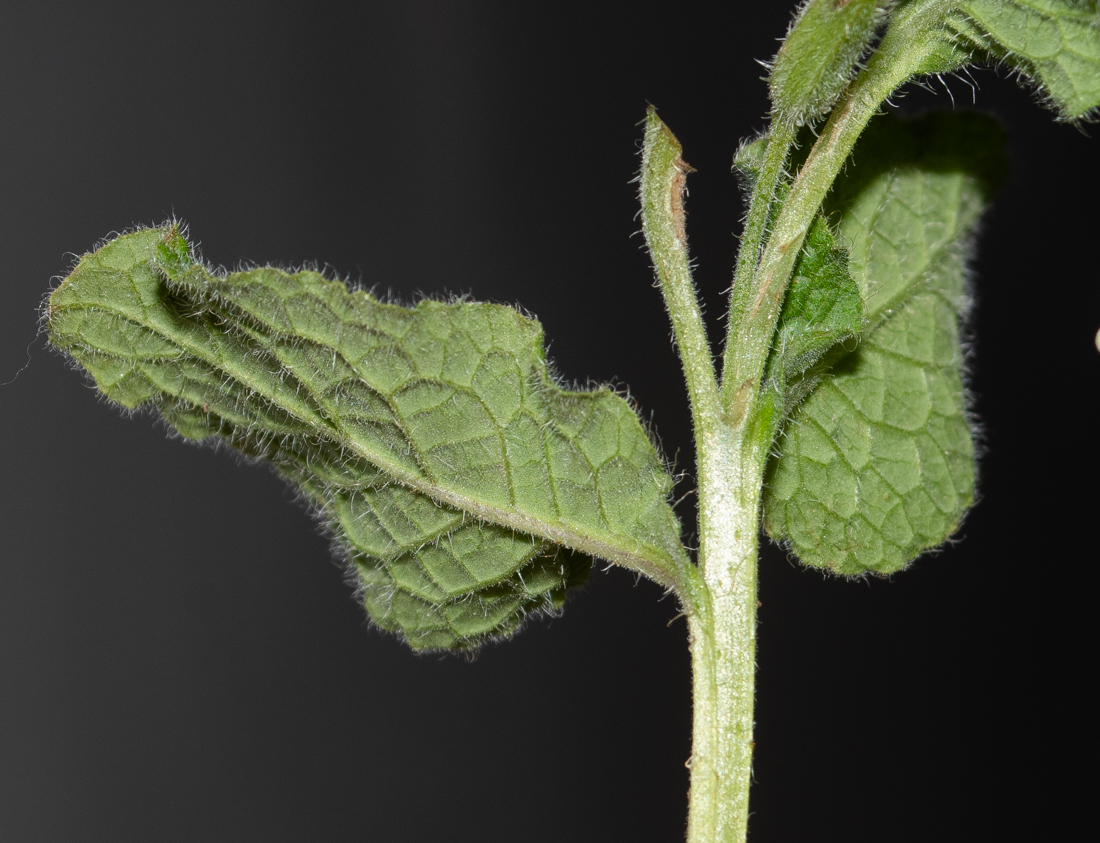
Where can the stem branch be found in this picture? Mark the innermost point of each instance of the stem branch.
(664, 173)
(731, 448)
(779, 140)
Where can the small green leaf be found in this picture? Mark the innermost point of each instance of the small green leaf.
(819, 56)
(749, 158)
(877, 464)
(462, 484)
(823, 307)
(1054, 43)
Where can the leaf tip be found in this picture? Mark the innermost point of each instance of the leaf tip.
(173, 252)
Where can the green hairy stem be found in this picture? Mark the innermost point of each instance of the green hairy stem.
(468, 491)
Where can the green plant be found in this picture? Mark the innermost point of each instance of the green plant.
(467, 488)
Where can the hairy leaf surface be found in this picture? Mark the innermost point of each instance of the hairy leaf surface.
(823, 306)
(877, 463)
(462, 484)
(1055, 43)
(819, 54)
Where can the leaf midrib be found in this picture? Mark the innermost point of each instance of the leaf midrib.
(664, 568)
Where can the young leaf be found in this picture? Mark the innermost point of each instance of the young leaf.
(823, 306)
(432, 440)
(1054, 43)
(819, 55)
(877, 463)
(748, 160)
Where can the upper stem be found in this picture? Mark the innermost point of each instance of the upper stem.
(779, 143)
(731, 448)
(663, 177)
(913, 36)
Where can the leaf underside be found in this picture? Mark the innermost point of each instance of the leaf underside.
(463, 486)
(1054, 43)
(877, 463)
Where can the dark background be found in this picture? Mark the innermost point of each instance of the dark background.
(179, 658)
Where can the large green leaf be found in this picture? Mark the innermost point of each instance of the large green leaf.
(461, 483)
(877, 463)
(1054, 43)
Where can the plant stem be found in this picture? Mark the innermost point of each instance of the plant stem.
(913, 37)
(663, 175)
(720, 597)
(723, 644)
(734, 427)
(780, 140)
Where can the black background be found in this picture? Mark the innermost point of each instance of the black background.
(179, 658)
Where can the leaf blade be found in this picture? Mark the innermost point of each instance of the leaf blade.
(817, 59)
(877, 463)
(353, 399)
(1055, 43)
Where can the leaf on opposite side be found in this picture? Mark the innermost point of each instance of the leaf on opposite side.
(1054, 43)
(463, 486)
(877, 463)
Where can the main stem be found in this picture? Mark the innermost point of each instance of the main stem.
(723, 643)
(732, 435)
(720, 598)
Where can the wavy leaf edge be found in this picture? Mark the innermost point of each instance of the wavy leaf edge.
(175, 258)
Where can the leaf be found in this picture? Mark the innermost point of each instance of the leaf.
(822, 307)
(821, 51)
(1054, 43)
(461, 483)
(748, 161)
(877, 464)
